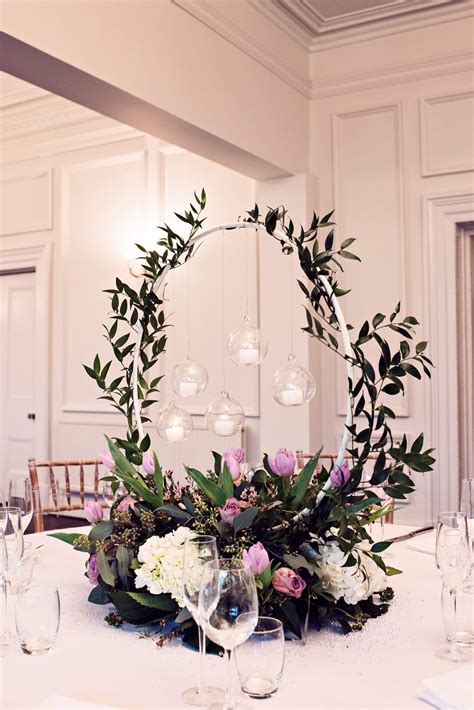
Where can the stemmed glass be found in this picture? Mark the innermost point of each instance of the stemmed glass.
(228, 607)
(198, 551)
(10, 527)
(453, 563)
(3, 584)
(467, 507)
(20, 496)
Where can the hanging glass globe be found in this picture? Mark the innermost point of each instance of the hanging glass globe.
(174, 423)
(247, 345)
(293, 385)
(189, 378)
(224, 416)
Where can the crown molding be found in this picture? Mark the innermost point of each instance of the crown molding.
(360, 81)
(248, 41)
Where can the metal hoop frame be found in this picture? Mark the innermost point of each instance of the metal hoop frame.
(337, 311)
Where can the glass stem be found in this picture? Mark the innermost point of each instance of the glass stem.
(453, 601)
(229, 694)
(5, 609)
(202, 659)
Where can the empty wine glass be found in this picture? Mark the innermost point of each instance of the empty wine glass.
(10, 527)
(228, 608)
(37, 619)
(3, 584)
(260, 659)
(467, 507)
(453, 563)
(198, 551)
(20, 496)
(3, 500)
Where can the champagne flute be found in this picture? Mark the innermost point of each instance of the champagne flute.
(10, 527)
(3, 584)
(453, 563)
(198, 551)
(467, 507)
(228, 608)
(20, 496)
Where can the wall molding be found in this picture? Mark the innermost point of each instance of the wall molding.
(22, 176)
(424, 103)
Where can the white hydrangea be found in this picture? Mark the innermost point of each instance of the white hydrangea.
(161, 571)
(351, 583)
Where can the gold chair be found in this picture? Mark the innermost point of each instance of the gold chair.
(57, 506)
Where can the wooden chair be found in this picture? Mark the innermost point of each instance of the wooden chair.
(301, 457)
(55, 467)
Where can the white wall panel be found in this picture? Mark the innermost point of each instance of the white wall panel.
(447, 133)
(25, 203)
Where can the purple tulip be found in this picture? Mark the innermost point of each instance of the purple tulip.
(231, 510)
(148, 463)
(93, 570)
(107, 459)
(93, 511)
(340, 475)
(233, 465)
(255, 559)
(283, 464)
(287, 582)
(237, 454)
(125, 504)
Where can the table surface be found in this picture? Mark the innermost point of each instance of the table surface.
(380, 667)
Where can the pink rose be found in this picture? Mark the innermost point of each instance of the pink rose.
(255, 559)
(231, 510)
(287, 582)
(107, 459)
(283, 464)
(125, 504)
(340, 475)
(93, 570)
(93, 511)
(148, 463)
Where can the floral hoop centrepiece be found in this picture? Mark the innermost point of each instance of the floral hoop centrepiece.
(304, 534)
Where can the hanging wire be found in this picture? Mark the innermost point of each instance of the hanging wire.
(223, 311)
(246, 276)
(188, 286)
(291, 304)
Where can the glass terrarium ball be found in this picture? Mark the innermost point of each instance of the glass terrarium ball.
(189, 378)
(224, 416)
(247, 345)
(174, 423)
(293, 385)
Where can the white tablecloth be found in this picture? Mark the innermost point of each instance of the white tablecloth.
(380, 667)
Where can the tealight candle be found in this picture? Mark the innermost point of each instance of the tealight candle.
(224, 427)
(248, 356)
(292, 397)
(188, 389)
(175, 433)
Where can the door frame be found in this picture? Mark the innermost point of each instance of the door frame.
(442, 216)
(38, 258)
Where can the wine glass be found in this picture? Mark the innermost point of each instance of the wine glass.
(467, 507)
(10, 527)
(20, 496)
(198, 551)
(453, 563)
(228, 608)
(3, 584)
(3, 500)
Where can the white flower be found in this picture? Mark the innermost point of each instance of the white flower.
(352, 583)
(162, 564)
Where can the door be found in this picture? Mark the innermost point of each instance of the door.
(17, 373)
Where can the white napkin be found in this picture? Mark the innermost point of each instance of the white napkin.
(450, 691)
(61, 703)
(424, 543)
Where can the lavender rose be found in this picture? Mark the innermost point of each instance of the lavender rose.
(93, 570)
(287, 582)
(107, 459)
(255, 559)
(283, 464)
(340, 475)
(148, 463)
(93, 511)
(231, 510)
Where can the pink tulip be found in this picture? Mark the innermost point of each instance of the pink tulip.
(340, 475)
(93, 570)
(255, 559)
(231, 510)
(283, 464)
(107, 459)
(287, 582)
(93, 511)
(125, 504)
(237, 454)
(148, 463)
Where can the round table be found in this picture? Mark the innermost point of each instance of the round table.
(381, 666)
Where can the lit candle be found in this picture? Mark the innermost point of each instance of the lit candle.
(292, 397)
(224, 427)
(188, 389)
(175, 433)
(248, 356)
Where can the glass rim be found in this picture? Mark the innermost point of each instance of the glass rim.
(451, 514)
(200, 538)
(10, 508)
(277, 622)
(40, 590)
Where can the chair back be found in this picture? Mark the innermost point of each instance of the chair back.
(63, 469)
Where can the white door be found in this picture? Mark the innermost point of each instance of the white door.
(17, 371)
